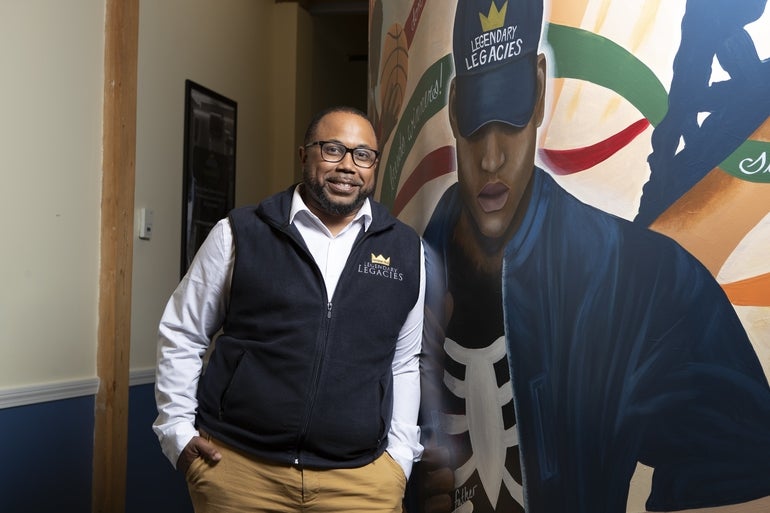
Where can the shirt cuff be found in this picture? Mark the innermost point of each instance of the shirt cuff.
(174, 440)
(406, 453)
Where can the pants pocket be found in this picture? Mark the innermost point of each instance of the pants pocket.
(195, 470)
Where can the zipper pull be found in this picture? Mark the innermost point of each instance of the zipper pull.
(329, 310)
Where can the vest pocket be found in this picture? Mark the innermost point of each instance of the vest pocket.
(225, 392)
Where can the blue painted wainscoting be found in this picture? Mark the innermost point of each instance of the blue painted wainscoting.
(47, 457)
(47, 453)
(152, 483)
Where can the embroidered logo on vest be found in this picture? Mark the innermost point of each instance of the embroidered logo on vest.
(379, 259)
(380, 266)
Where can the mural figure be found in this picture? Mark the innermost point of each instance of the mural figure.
(563, 344)
(735, 107)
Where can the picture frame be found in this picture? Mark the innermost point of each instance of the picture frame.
(210, 133)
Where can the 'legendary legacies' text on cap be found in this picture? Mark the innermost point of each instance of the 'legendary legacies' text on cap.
(495, 54)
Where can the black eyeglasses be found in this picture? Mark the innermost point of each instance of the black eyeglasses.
(335, 152)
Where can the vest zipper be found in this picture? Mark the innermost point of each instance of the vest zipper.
(318, 364)
(322, 349)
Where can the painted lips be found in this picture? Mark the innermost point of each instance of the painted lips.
(493, 196)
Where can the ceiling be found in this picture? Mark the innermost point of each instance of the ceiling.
(318, 7)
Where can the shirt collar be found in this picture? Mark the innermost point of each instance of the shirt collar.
(298, 205)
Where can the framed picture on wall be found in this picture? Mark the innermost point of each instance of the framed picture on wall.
(210, 128)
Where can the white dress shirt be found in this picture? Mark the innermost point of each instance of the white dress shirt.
(196, 310)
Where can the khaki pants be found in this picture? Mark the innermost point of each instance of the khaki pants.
(239, 483)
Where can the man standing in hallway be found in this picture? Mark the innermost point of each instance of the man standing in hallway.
(309, 399)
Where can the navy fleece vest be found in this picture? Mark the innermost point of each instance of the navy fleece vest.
(298, 377)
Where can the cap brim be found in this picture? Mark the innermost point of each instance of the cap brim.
(505, 94)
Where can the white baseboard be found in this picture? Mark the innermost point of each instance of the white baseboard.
(46, 392)
(141, 376)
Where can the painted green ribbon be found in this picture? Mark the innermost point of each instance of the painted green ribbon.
(583, 55)
(429, 97)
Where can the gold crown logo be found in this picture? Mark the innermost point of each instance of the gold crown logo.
(379, 259)
(495, 19)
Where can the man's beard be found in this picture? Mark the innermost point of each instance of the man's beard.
(485, 252)
(316, 191)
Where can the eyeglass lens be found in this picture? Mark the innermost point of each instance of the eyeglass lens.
(335, 152)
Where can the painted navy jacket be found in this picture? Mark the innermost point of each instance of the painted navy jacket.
(622, 348)
(297, 377)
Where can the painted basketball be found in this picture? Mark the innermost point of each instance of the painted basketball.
(395, 65)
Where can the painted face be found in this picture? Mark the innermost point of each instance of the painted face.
(494, 166)
(338, 189)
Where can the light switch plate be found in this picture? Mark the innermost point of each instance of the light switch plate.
(145, 223)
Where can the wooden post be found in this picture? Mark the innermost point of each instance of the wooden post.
(117, 221)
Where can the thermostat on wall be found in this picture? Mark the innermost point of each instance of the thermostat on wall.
(145, 223)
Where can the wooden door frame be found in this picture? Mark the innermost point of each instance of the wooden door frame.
(121, 36)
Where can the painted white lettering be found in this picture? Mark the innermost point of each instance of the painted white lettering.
(463, 495)
(749, 166)
(492, 54)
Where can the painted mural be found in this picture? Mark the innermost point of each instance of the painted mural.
(592, 182)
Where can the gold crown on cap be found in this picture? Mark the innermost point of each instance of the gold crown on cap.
(495, 19)
(379, 259)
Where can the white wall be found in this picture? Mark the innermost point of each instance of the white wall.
(51, 57)
(242, 49)
(51, 61)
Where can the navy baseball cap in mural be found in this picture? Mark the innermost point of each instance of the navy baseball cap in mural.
(495, 46)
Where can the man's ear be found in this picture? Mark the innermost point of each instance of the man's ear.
(302, 154)
(453, 110)
(539, 112)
